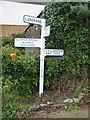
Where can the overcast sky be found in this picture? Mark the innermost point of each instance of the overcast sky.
(45, 1)
(38, 1)
(12, 12)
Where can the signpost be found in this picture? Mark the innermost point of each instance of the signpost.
(27, 42)
(54, 52)
(46, 31)
(30, 42)
(33, 20)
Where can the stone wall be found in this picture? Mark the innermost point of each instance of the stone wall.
(33, 32)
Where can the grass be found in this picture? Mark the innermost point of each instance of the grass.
(21, 106)
(15, 106)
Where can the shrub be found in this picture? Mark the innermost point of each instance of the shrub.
(68, 31)
(9, 40)
(22, 71)
(9, 111)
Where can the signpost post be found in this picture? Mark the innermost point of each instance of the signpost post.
(42, 60)
(30, 42)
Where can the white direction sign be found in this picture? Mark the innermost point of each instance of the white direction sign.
(33, 20)
(54, 52)
(46, 31)
(27, 42)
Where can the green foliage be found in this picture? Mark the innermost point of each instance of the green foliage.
(9, 40)
(9, 111)
(86, 91)
(72, 107)
(15, 106)
(22, 71)
(69, 30)
(56, 68)
(78, 90)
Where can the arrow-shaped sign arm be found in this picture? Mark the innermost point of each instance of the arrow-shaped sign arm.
(33, 20)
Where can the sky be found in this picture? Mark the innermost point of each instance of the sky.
(42, 1)
(11, 13)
